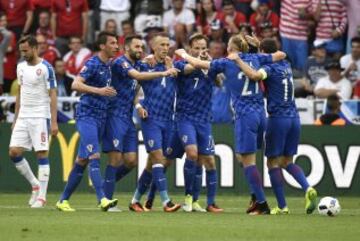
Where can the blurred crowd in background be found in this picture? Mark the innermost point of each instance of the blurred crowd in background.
(321, 37)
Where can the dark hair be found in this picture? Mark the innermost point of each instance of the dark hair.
(268, 45)
(30, 39)
(2, 13)
(203, 20)
(130, 38)
(102, 38)
(58, 60)
(75, 37)
(228, 2)
(333, 102)
(355, 40)
(110, 20)
(127, 22)
(196, 37)
(44, 11)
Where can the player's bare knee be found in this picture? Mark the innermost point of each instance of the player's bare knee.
(114, 159)
(247, 159)
(192, 153)
(272, 163)
(156, 156)
(131, 161)
(15, 152)
(94, 156)
(168, 162)
(42, 154)
(286, 161)
(208, 162)
(82, 161)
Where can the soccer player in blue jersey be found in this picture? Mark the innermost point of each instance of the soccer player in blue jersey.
(94, 82)
(247, 98)
(120, 139)
(157, 126)
(193, 113)
(283, 129)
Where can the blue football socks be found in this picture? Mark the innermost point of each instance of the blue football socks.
(277, 183)
(253, 178)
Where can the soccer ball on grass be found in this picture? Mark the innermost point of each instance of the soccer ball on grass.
(329, 206)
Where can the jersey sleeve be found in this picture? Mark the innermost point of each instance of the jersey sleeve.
(217, 66)
(180, 65)
(87, 71)
(123, 67)
(50, 77)
(264, 59)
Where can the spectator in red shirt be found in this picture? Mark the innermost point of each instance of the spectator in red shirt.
(76, 57)
(44, 27)
(42, 4)
(244, 6)
(19, 15)
(69, 18)
(231, 18)
(263, 15)
(39, 6)
(49, 53)
(207, 15)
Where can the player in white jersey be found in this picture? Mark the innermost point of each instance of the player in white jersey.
(35, 107)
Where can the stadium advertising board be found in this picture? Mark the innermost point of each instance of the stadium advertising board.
(329, 156)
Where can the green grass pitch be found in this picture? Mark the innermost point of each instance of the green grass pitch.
(19, 222)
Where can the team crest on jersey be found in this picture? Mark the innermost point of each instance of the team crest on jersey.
(116, 142)
(184, 138)
(151, 143)
(125, 65)
(90, 147)
(38, 72)
(169, 150)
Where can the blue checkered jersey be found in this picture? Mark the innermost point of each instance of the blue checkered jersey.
(280, 90)
(159, 94)
(246, 94)
(122, 104)
(97, 74)
(193, 100)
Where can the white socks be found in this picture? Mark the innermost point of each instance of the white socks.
(43, 175)
(24, 168)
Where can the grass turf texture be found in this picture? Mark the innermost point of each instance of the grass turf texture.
(19, 222)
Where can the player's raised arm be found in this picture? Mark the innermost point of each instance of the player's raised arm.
(79, 85)
(141, 76)
(253, 74)
(197, 63)
(278, 55)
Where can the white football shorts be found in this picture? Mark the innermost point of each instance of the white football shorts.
(31, 133)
